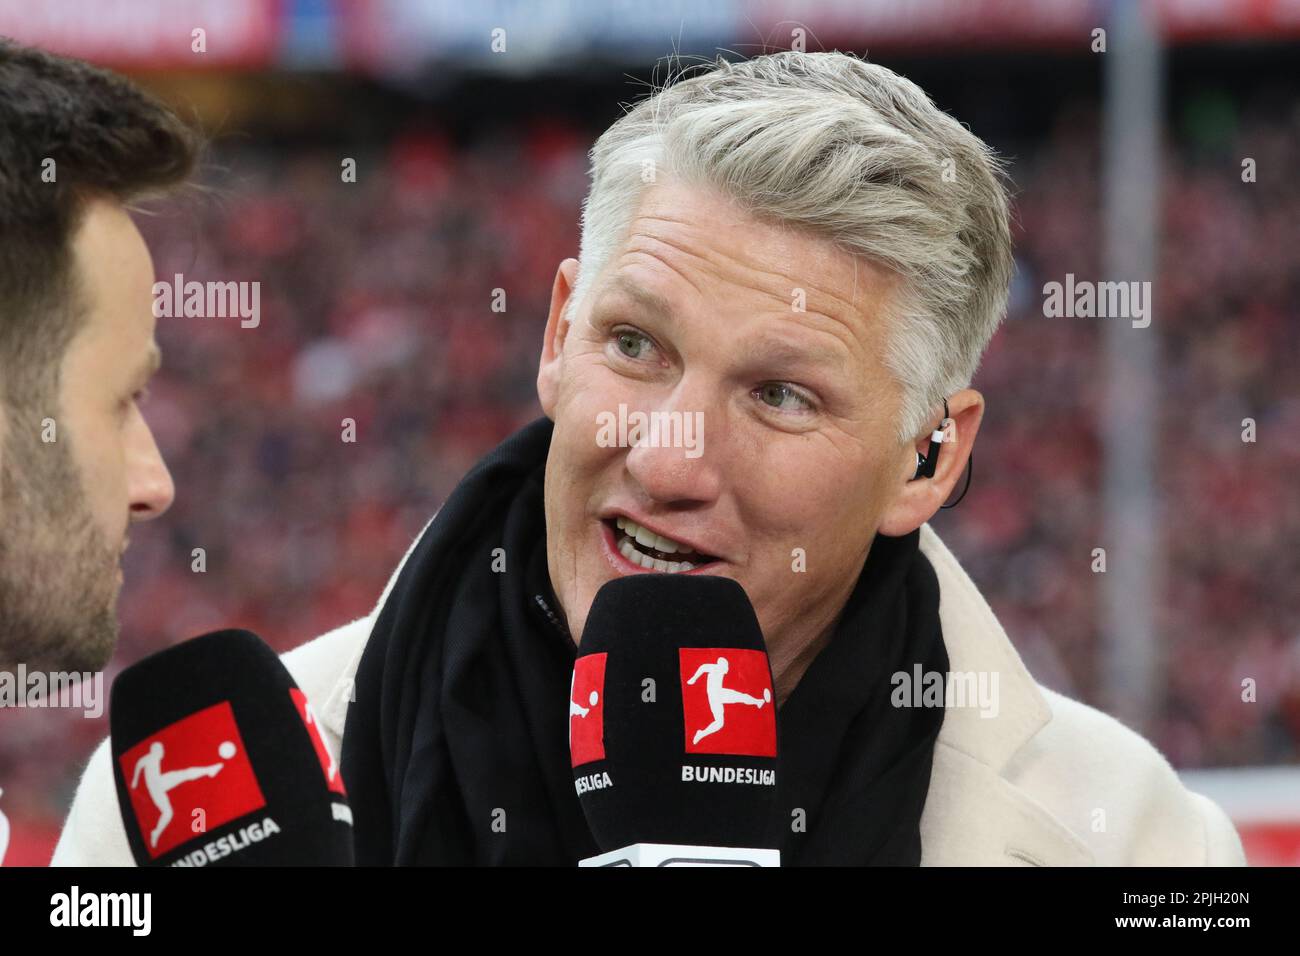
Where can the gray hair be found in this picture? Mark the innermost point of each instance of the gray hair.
(850, 151)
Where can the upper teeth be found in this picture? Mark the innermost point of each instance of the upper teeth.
(646, 537)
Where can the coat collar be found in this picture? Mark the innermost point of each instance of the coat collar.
(977, 643)
(974, 814)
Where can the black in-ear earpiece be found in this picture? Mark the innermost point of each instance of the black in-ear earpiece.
(927, 463)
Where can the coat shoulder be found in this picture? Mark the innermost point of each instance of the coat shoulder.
(324, 668)
(1118, 794)
(93, 834)
(320, 665)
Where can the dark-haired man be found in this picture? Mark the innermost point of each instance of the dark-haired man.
(78, 463)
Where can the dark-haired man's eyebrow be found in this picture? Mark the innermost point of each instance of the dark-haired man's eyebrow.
(150, 365)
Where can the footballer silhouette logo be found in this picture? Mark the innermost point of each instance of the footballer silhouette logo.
(196, 764)
(727, 702)
(329, 765)
(587, 709)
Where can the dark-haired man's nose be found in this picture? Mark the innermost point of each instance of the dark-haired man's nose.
(149, 483)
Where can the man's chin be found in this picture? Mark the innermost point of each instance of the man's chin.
(101, 641)
(59, 578)
(79, 646)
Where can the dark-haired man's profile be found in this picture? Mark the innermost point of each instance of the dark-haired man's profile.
(78, 463)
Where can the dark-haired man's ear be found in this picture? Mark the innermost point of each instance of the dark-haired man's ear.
(557, 327)
(916, 501)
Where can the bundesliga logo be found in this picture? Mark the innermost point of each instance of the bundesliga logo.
(190, 777)
(587, 710)
(328, 765)
(587, 720)
(726, 702)
(726, 709)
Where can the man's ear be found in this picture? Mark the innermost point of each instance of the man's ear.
(916, 502)
(557, 328)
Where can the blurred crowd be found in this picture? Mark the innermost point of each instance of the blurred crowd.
(377, 307)
(1227, 303)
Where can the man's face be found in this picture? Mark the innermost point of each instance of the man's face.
(65, 505)
(699, 312)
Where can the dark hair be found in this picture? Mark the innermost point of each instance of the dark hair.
(106, 137)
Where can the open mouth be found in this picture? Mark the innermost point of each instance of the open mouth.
(654, 552)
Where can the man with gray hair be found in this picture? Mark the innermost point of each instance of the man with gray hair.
(803, 254)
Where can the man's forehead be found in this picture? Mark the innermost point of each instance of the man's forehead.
(113, 274)
(733, 223)
(691, 228)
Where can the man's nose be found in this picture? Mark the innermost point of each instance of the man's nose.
(149, 483)
(677, 465)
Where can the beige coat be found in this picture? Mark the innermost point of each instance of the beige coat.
(1048, 781)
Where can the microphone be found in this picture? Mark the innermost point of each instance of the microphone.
(672, 725)
(219, 761)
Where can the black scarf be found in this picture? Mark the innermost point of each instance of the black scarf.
(455, 750)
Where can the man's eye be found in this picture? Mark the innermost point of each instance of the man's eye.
(780, 396)
(631, 343)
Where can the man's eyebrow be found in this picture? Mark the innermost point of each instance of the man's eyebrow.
(622, 286)
(781, 353)
(760, 351)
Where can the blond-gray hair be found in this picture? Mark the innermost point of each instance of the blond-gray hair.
(850, 151)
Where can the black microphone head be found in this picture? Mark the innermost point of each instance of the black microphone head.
(219, 760)
(672, 719)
